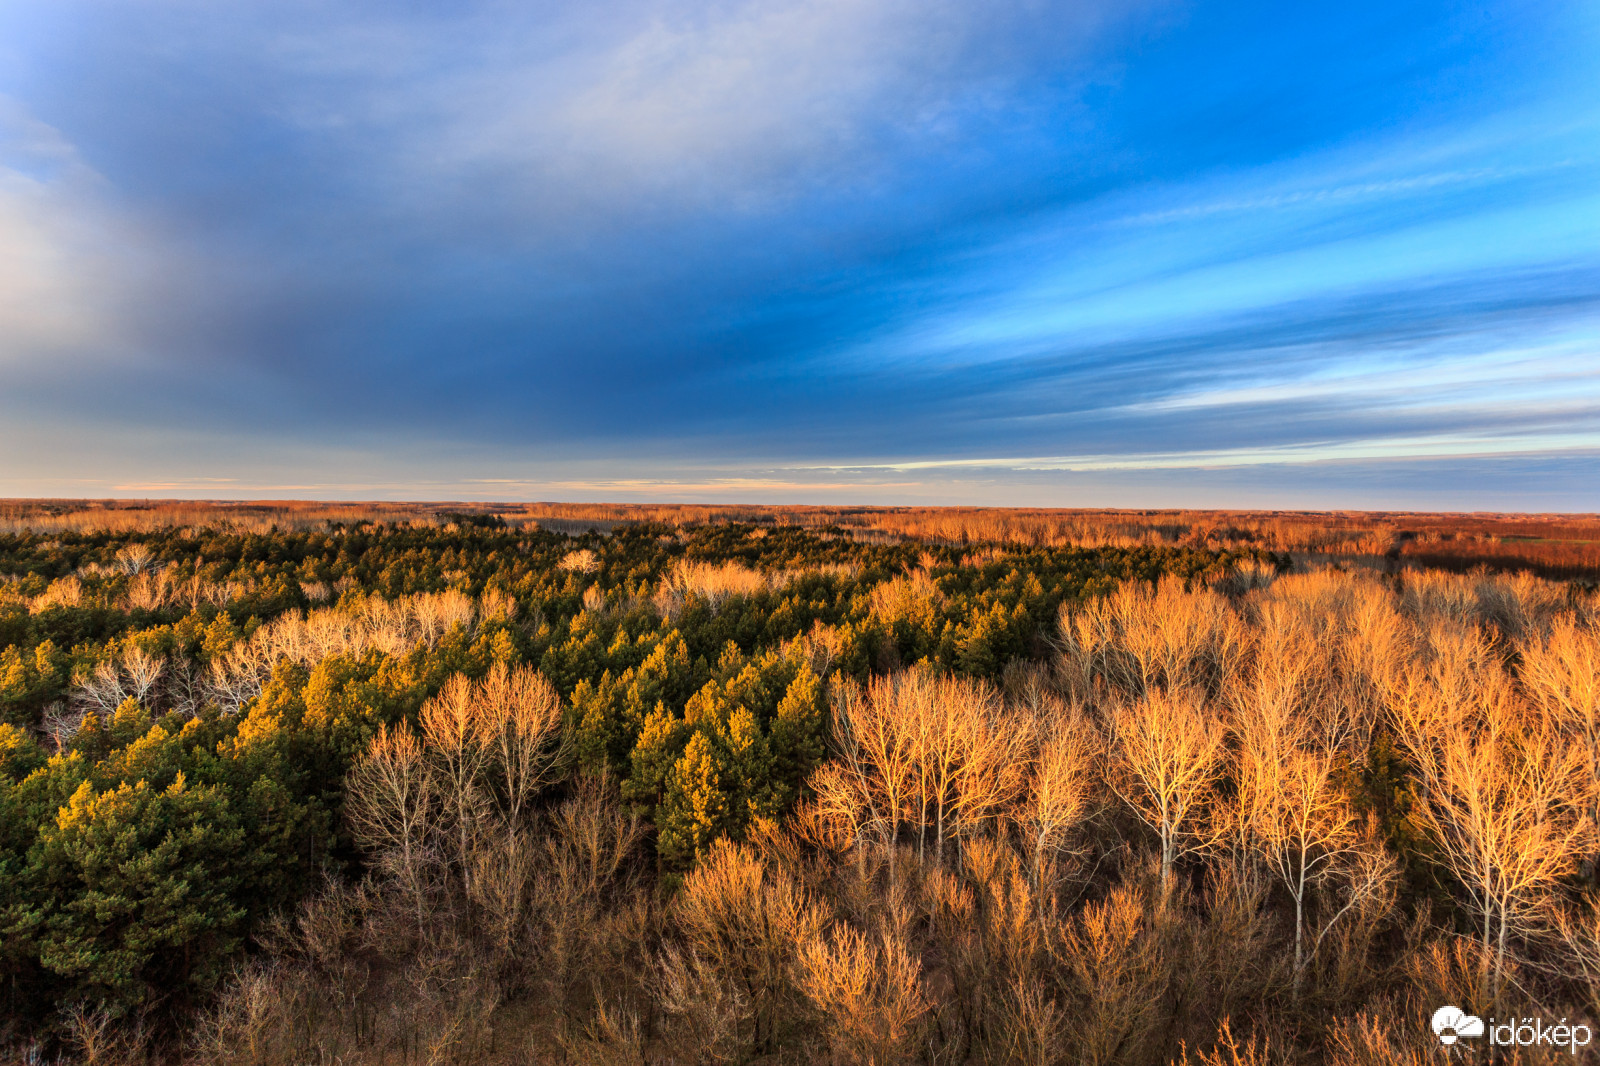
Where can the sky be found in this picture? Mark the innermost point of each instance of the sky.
(1017, 252)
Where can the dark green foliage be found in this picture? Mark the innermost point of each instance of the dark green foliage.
(30, 679)
(1384, 789)
(136, 892)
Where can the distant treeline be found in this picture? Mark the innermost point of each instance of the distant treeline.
(1563, 547)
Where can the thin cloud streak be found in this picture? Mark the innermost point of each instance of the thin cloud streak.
(1416, 448)
(1342, 194)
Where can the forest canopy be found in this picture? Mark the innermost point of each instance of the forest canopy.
(770, 790)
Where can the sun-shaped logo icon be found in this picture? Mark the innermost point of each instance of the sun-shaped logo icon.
(1452, 1023)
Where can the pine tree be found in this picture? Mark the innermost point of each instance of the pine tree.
(694, 811)
(138, 889)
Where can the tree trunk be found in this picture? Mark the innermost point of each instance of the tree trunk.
(1299, 926)
(1499, 962)
(1166, 860)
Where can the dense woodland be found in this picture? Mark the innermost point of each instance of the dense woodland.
(470, 791)
(1564, 547)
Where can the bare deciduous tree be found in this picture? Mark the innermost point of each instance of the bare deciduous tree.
(869, 992)
(521, 714)
(877, 752)
(458, 743)
(1578, 933)
(135, 558)
(1168, 756)
(1058, 796)
(1561, 673)
(1300, 824)
(749, 922)
(1119, 966)
(133, 675)
(992, 771)
(391, 801)
(1139, 640)
(1501, 812)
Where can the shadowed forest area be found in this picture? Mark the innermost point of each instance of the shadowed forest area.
(468, 783)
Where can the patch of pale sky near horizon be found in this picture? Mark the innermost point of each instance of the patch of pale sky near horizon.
(184, 463)
(1535, 484)
(461, 473)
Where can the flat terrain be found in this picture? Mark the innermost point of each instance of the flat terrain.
(381, 783)
(1562, 546)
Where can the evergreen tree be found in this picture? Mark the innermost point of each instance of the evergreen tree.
(136, 892)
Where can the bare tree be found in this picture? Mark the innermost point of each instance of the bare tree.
(60, 721)
(132, 675)
(1299, 822)
(1578, 934)
(1561, 674)
(877, 751)
(1141, 639)
(503, 872)
(1370, 651)
(1453, 688)
(1289, 678)
(992, 772)
(1120, 965)
(843, 813)
(142, 670)
(520, 713)
(136, 558)
(1062, 775)
(458, 742)
(149, 591)
(1168, 757)
(391, 801)
(869, 992)
(748, 921)
(969, 756)
(1500, 810)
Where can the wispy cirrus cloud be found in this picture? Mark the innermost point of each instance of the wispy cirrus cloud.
(1352, 192)
(1425, 448)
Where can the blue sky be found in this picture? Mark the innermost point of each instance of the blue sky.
(1018, 252)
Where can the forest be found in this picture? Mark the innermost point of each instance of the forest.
(1564, 547)
(474, 788)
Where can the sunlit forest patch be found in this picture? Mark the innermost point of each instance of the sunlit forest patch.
(371, 785)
